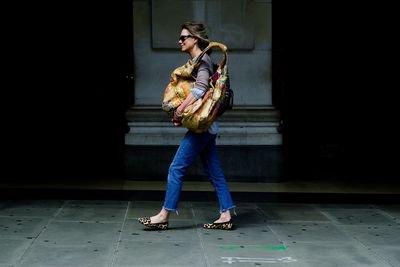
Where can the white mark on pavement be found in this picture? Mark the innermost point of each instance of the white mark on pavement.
(231, 260)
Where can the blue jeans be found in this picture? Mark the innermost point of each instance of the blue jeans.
(193, 145)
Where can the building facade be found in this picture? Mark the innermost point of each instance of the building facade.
(249, 142)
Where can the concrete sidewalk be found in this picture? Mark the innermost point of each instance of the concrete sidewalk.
(44, 233)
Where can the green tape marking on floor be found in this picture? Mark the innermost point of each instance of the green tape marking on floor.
(272, 247)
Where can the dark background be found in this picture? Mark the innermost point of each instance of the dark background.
(65, 91)
(335, 80)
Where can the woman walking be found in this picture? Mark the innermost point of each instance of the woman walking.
(193, 39)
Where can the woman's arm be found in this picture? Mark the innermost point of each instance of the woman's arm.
(179, 111)
(198, 88)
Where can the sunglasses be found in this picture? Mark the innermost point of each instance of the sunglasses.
(183, 38)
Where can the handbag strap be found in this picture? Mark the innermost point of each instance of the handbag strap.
(223, 49)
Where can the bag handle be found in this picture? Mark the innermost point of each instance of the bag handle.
(223, 49)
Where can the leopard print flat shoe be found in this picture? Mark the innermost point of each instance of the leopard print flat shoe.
(221, 226)
(146, 221)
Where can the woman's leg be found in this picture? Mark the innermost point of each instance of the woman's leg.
(212, 167)
(190, 147)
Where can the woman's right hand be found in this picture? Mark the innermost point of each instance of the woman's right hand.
(177, 119)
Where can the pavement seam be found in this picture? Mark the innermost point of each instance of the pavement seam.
(115, 254)
(342, 228)
(200, 237)
(372, 251)
(264, 214)
(51, 219)
(386, 214)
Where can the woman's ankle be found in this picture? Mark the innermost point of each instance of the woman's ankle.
(162, 216)
(224, 217)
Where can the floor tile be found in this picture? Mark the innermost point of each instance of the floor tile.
(80, 233)
(357, 216)
(330, 254)
(393, 210)
(89, 255)
(11, 250)
(308, 231)
(252, 235)
(375, 236)
(35, 203)
(97, 203)
(153, 253)
(390, 254)
(90, 213)
(350, 206)
(21, 227)
(291, 212)
(31, 208)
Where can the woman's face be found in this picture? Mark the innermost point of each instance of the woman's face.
(186, 41)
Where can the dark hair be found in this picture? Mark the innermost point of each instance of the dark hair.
(198, 30)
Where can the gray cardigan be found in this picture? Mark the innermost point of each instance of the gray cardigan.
(200, 86)
(204, 72)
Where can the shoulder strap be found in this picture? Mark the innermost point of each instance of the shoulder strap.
(223, 49)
